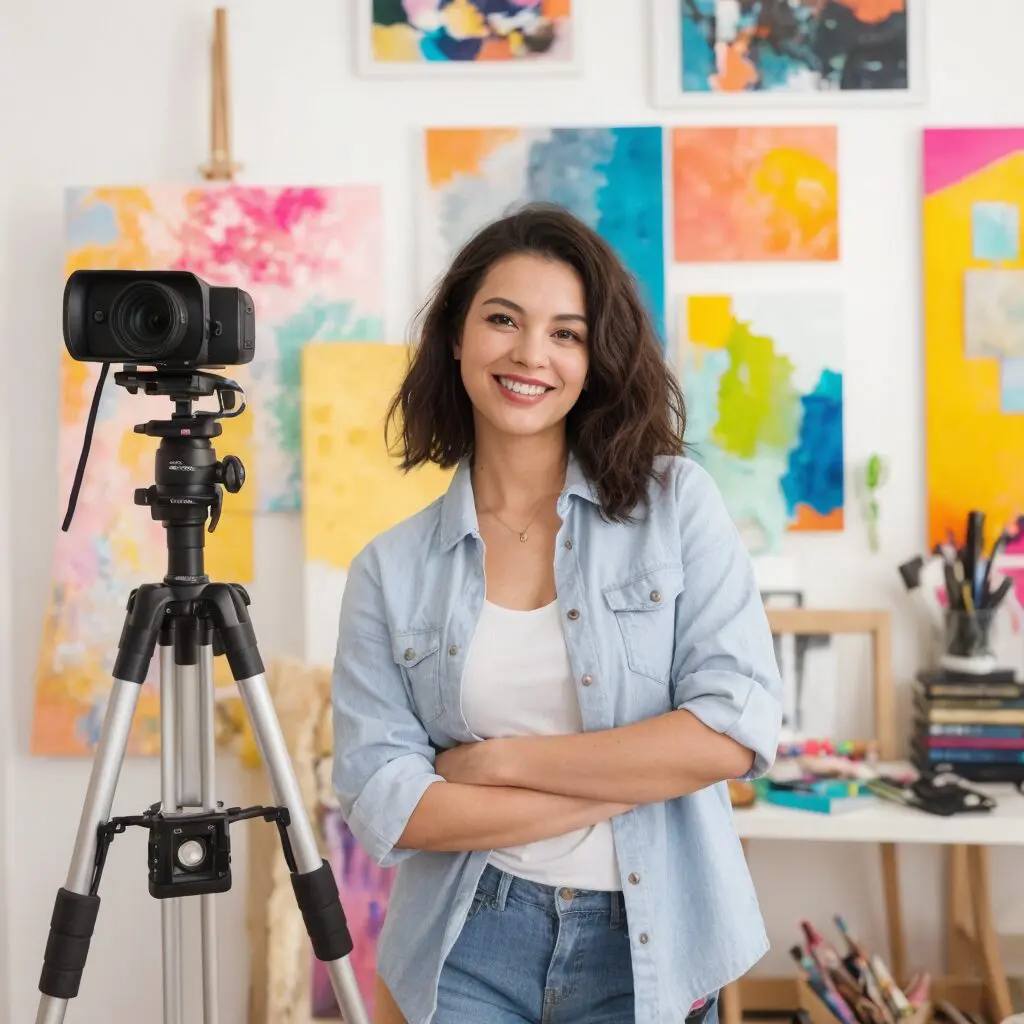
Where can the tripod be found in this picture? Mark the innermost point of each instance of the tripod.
(191, 620)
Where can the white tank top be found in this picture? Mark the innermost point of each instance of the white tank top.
(519, 682)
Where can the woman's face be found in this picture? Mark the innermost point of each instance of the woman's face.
(523, 354)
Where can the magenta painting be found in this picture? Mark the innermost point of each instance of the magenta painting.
(364, 889)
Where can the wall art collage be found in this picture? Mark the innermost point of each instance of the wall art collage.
(763, 371)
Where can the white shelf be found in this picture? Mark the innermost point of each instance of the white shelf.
(884, 822)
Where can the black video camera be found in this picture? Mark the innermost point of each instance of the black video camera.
(169, 318)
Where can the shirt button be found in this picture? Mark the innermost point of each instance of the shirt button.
(655, 596)
(453, 650)
(573, 613)
(568, 545)
(643, 938)
(587, 680)
(634, 879)
(409, 654)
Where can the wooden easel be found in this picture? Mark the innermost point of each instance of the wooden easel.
(221, 167)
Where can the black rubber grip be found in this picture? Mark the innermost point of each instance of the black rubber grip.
(316, 893)
(71, 928)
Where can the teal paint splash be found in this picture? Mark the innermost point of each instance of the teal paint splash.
(815, 473)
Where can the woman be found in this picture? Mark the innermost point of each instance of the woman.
(545, 679)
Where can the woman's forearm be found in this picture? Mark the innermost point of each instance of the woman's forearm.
(455, 817)
(648, 762)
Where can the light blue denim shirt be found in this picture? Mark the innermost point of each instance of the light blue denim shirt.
(659, 614)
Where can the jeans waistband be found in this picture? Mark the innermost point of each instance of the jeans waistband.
(497, 886)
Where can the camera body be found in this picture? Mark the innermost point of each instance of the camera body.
(165, 318)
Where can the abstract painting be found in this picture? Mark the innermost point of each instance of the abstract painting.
(763, 379)
(364, 889)
(830, 52)
(310, 258)
(611, 178)
(352, 487)
(755, 194)
(437, 37)
(974, 327)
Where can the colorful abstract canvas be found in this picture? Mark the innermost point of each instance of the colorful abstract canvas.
(440, 36)
(364, 888)
(974, 326)
(310, 258)
(762, 375)
(352, 487)
(787, 47)
(755, 194)
(611, 178)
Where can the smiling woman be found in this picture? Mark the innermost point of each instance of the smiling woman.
(545, 679)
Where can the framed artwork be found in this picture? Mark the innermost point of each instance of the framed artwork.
(763, 378)
(415, 38)
(772, 53)
(973, 328)
(766, 193)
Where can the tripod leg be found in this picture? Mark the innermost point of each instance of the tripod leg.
(170, 910)
(316, 891)
(208, 754)
(77, 905)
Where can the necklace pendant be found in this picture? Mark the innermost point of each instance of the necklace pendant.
(523, 537)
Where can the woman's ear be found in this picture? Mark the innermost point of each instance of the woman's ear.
(457, 351)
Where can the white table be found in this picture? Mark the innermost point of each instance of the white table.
(972, 939)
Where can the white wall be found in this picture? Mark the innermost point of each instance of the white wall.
(114, 91)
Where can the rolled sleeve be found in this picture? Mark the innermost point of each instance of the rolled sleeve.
(724, 670)
(383, 759)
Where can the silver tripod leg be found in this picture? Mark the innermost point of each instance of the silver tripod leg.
(285, 787)
(99, 799)
(207, 759)
(170, 910)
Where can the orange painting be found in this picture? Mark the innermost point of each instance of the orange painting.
(749, 194)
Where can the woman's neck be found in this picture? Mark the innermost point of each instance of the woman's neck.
(515, 473)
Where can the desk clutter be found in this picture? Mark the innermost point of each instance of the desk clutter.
(827, 782)
(855, 987)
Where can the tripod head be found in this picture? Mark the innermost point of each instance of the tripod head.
(189, 479)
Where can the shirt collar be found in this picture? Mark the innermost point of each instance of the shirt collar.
(458, 509)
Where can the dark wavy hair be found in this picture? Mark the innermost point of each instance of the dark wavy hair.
(632, 409)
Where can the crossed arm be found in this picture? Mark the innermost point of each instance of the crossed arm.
(504, 792)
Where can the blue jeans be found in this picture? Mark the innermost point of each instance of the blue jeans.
(536, 954)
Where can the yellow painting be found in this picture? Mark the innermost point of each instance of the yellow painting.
(974, 327)
(353, 489)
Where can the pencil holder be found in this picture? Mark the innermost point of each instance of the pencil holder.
(967, 643)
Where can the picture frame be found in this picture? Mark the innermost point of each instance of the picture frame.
(367, 66)
(665, 28)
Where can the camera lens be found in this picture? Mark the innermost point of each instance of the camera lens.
(148, 320)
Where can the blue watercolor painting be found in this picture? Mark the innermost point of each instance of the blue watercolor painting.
(611, 178)
(762, 375)
(995, 231)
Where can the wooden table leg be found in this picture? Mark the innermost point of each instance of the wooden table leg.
(985, 932)
(959, 931)
(894, 914)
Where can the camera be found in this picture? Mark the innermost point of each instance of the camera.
(167, 318)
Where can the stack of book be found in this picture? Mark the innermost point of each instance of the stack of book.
(972, 725)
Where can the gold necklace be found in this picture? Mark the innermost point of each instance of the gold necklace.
(524, 535)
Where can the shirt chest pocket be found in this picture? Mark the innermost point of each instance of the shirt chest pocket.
(418, 654)
(644, 609)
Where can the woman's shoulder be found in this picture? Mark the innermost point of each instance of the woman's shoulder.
(684, 482)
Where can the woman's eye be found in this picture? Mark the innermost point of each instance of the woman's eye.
(564, 334)
(501, 318)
